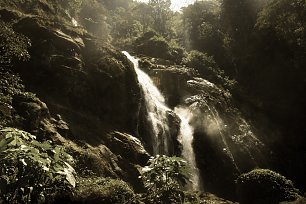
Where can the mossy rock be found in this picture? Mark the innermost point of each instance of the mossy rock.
(264, 186)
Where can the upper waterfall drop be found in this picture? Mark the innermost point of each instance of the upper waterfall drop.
(156, 109)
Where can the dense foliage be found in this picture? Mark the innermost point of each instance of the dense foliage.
(13, 46)
(33, 171)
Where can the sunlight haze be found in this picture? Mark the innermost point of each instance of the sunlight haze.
(176, 5)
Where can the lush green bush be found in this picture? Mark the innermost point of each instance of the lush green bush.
(13, 46)
(264, 186)
(33, 171)
(164, 178)
(205, 64)
(103, 190)
(207, 67)
(154, 45)
(10, 84)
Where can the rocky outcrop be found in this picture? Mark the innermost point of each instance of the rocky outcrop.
(72, 71)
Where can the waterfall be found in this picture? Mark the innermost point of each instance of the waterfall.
(186, 139)
(157, 115)
(156, 109)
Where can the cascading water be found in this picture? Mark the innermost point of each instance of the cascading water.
(156, 109)
(186, 139)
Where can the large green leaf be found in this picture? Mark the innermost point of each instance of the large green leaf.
(4, 143)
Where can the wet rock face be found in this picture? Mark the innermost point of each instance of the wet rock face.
(73, 71)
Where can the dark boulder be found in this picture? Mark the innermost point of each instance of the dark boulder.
(128, 147)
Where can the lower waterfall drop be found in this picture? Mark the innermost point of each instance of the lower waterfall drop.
(186, 139)
(156, 109)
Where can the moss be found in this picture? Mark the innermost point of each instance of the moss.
(264, 186)
(103, 190)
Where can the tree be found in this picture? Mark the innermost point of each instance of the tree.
(287, 19)
(201, 27)
(141, 11)
(124, 28)
(238, 19)
(93, 16)
(161, 14)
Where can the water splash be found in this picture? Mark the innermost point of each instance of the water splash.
(156, 109)
(186, 139)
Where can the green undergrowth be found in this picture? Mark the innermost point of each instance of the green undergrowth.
(103, 190)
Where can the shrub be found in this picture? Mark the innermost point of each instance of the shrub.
(32, 171)
(103, 190)
(208, 68)
(10, 84)
(264, 186)
(13, 46)
(154, 45)
(164, 178)
(200, 60)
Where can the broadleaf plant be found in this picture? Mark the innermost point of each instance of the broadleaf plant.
(164, 178)
(32, 171)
